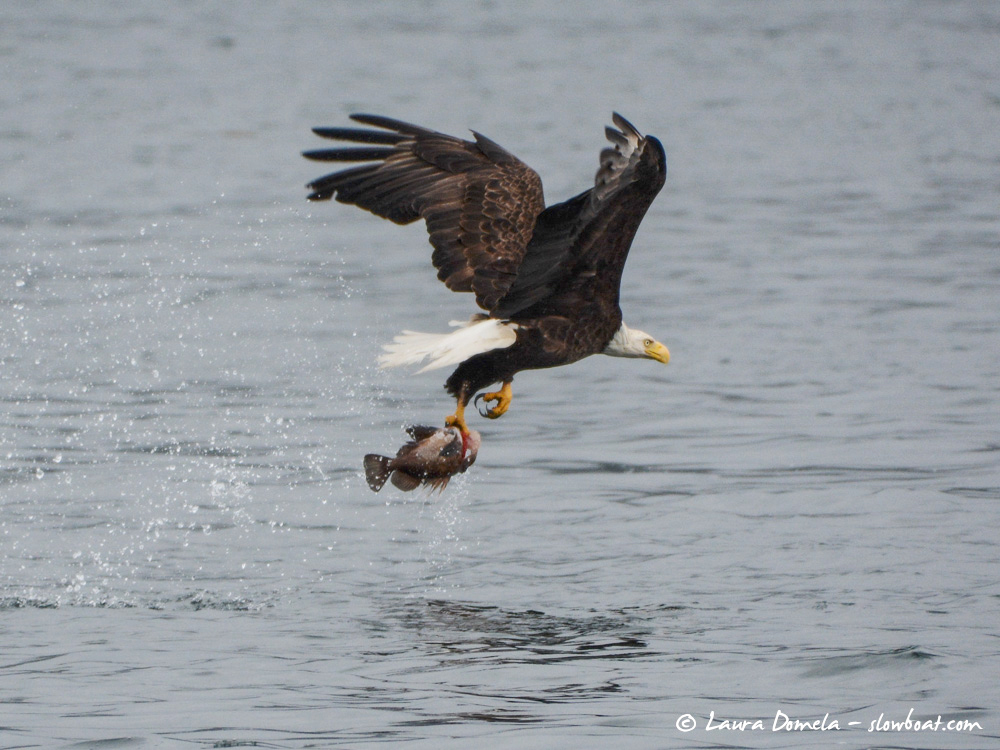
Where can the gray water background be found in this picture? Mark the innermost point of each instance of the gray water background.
(799, 513)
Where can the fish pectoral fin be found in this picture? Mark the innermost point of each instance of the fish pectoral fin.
(404, 481)
(503, 397)
(454, 448)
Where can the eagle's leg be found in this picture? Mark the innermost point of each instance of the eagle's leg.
(503, 397)
(458, 418)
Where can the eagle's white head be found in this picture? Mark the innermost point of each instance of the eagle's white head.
(631, 342)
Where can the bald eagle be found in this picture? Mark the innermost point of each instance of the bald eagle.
(547, 278)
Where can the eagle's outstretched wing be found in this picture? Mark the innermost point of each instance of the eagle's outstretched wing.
(480, 202)
(582, 243)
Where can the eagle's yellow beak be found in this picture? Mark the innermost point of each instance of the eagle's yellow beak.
(658, 351)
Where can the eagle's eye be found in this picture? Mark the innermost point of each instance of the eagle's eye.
(647, 342)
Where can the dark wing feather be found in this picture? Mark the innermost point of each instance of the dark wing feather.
(348, 154)
(359, 135)
(479, 201)
(590, 235)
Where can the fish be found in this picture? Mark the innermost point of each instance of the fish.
(431, 458)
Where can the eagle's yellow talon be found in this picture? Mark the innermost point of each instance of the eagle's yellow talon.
(458, 418)
(503, 397)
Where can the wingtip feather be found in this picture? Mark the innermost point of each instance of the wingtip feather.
(626, 127)
(388, 123)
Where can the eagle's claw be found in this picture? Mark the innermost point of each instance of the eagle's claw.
(503, 397)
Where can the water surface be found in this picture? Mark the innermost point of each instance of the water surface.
(799, 514)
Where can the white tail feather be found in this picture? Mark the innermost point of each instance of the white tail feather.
(443, 349)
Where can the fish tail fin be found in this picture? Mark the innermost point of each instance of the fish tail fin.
(479, 335)
(376, 470)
